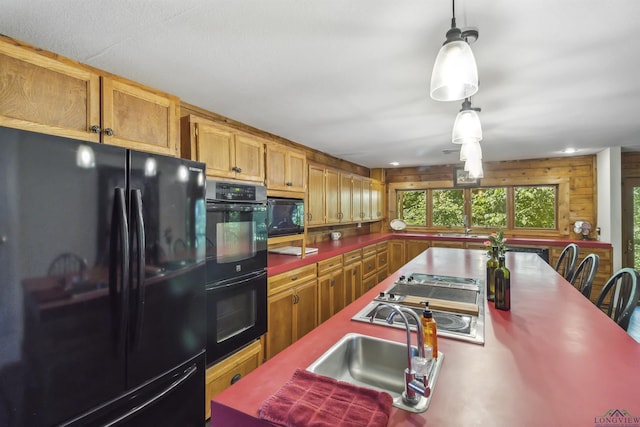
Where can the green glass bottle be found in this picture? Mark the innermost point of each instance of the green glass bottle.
(503, 285)
(492, 265)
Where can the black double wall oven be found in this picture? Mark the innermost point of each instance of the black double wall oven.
(236, 266)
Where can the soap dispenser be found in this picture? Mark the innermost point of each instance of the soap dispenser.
(430, 331)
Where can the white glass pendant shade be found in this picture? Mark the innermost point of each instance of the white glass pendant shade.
(455, 74)
(474, 167)
(470, 150)
(466, 127)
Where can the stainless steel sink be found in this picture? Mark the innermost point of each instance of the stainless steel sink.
(373, 363)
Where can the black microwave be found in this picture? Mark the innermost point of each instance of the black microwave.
(285, 216)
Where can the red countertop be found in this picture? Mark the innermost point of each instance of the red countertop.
(281, 263)
(554, 359)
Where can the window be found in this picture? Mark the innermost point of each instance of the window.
(448, 208)
(489, 207)
(525, 207)
(535, 207)
(412, 207)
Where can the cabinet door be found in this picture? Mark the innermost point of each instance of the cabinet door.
(356, 199)
(366, 199)
(352, 282)
(297, 165)
(416, 247)
(249, 158)
(369, 266)
(332, 196)
(306, 309)
(376, 200)
(280, 322)
(346, 198)
(133, 117)
(214, 147)
(396, 255)
(331, 294)
(41, 94)
(316, 197)
(276, 167)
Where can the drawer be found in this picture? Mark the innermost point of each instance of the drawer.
(369, 266)
(329, 265)
(283, 281)
(353, 256)
(382, 246)
(369, 250)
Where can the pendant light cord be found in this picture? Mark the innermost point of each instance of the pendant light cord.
(453, 13)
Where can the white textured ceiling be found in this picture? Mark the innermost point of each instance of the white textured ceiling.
(351, 77)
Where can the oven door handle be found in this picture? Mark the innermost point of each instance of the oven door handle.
(235, 281)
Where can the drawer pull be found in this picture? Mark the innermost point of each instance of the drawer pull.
(294, 278)
(235, 378)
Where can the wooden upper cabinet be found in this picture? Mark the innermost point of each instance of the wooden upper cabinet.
(377, 200)
(139, 118)
(285, 168)
(356, 198)
(249, 158)
(227, 152)
(316, 198)
(332, 196)
(214, 147)
(346, 195)
(44, 94)
(366, 200)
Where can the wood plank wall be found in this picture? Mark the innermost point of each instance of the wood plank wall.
(630, 165)
(580, 171)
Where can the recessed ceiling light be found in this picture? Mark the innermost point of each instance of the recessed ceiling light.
(569, 150)
(394, 164)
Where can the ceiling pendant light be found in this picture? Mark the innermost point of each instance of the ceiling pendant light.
(455, 74)
(470, 150)
(474, 167)
(467, 127)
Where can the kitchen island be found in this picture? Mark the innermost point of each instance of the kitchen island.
(554, 359)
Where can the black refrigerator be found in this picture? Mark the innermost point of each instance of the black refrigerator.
(102, 285)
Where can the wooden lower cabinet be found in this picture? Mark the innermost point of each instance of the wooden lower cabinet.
(331, 290)
(416, 247)
(396, 255)
(292, 308)
(369, 282)
(230, 370)
(352, 274)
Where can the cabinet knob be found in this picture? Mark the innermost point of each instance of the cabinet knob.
(95, 129)
(289, 184)
(108, 131)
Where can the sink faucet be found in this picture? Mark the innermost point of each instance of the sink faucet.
(465, 222)
(413, 389)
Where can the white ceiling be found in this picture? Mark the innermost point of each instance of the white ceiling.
(351, 77)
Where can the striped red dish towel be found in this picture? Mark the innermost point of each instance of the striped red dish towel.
(311, 400)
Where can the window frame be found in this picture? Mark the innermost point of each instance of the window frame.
(562, 204)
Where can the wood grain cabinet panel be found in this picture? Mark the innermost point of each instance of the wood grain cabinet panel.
(331, 289)
(227, 372)
(227, 152)
(285, 168)
(138, 118)
(316, 200)
(44, 94)
(292, 307)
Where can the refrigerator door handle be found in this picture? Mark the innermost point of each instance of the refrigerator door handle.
(138, 217)
(119, 271)
(175, 384)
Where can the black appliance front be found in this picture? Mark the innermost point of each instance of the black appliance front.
(84, 319)
(236, 313)
(236, 239)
